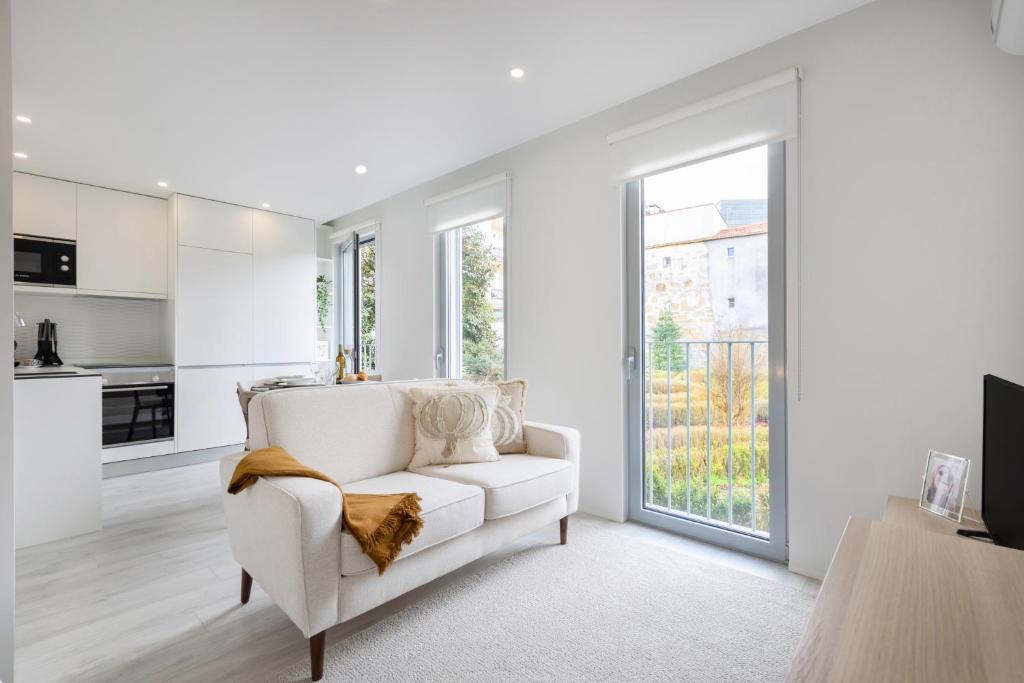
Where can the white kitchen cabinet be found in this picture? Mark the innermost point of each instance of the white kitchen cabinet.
(206, 407)
(122, 243)
(213, 308)
(44, 206)
(57, 452)
(214, 225)
(284, 288)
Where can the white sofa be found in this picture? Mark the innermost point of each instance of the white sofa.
(286, 532)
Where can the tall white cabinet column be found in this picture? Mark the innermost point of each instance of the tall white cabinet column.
(242, 299)
(214, 307)
(284, 272)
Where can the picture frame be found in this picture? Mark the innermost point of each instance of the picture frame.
(944, 485)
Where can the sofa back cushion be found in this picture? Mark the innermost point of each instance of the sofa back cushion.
(349, 432)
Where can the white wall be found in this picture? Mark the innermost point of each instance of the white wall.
(563, 301)
(6, 373)
(912, 233)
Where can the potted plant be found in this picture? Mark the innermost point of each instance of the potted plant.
(323, 300)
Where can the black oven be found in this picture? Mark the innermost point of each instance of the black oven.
(138, 405)
(44, 261)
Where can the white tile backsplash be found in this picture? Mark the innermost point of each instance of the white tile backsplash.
(92, 328)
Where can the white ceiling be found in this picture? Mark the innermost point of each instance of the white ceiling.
(254, 101)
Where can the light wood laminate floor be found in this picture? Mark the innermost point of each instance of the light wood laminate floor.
(154, 595)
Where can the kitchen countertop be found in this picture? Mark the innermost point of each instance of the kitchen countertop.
(92, 365)
(52, 372)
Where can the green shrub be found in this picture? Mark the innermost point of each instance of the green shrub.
(660, 387)
(659, 384)
(659, 413)
(741, 503)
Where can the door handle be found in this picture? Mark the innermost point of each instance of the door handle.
(630, 362)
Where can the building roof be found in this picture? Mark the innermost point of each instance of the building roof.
(741, 231)
(724, 234)
(737, 212)
(690, 224)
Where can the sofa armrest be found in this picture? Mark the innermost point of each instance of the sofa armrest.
(286, 533)
(552, 441)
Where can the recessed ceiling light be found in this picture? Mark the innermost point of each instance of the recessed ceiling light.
(161, 183)
(22, 118)
(265, 205)
(360, 169)
(517, 73)
(20, 155)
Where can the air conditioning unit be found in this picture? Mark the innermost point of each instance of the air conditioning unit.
(1008, 25)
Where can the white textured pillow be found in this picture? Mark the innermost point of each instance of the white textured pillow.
(509, 415)
(453, 425)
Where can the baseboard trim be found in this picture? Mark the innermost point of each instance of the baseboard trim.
(166, 462)
(806, 571)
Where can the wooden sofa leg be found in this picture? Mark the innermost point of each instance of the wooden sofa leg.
(246, 586)
(563, 528)
(316, 654)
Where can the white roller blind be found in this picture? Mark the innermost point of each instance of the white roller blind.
(345, 233)
(472, 203)
(763, 111)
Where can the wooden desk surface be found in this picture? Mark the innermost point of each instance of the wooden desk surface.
(901, 603)
(907, 512)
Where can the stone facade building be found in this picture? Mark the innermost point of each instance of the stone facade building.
(710, 276)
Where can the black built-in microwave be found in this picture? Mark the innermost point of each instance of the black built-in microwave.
(44, 261)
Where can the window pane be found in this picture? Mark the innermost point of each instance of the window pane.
(345, 297)
(705, 230)
(367, 305)
(483, 300)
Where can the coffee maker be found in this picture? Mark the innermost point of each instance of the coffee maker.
(46, 344)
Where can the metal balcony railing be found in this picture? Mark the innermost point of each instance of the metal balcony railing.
(368, 354)
(706, 432)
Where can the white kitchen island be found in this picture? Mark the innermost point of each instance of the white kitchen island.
(57, 454)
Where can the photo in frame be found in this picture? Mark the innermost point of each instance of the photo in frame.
(945, 485)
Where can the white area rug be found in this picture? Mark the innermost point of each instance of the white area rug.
(606, 607)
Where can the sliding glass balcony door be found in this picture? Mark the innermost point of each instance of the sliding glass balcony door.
(706, 336)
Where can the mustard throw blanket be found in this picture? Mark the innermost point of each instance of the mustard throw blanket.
(382, 523)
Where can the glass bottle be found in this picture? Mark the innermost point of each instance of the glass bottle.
(340, 360)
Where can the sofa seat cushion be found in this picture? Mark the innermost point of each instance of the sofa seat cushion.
(448, 509)
(517, 482)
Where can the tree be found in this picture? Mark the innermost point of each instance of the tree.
(662, 349)
(481, 347)
(743, 379)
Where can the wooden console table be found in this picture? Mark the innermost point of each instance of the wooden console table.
(906, 599)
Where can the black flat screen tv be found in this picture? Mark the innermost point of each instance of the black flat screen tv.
(1002, 464)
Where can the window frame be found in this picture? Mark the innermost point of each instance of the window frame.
(448, 308)
(348, 291)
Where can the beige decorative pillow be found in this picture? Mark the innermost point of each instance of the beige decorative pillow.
(509, 415)
(453, 425)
